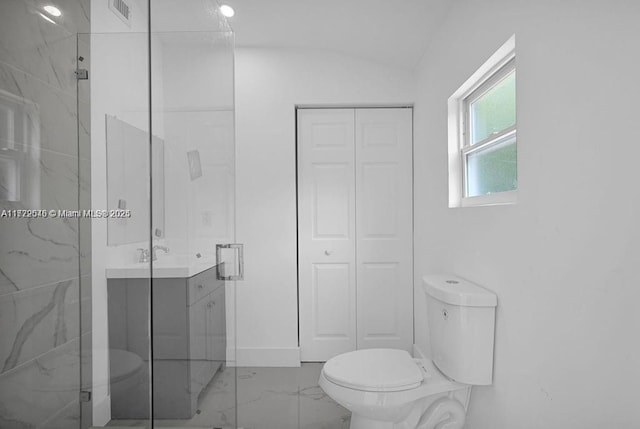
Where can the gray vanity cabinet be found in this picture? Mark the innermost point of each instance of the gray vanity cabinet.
(207, 336)
(189, 336)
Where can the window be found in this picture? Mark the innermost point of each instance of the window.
(489, 150)
(482, 134)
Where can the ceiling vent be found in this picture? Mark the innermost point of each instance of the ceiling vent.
(122, 10)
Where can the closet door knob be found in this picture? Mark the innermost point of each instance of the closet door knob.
(326, 252)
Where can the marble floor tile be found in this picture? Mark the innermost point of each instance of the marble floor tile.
(267, 398)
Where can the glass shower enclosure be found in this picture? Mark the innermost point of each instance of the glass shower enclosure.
(164, 257)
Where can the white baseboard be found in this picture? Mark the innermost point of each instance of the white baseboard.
(101, 411)
(267, 357)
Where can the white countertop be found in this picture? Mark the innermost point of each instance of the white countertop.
(167, 266)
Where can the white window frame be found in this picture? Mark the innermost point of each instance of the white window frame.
(496, 68)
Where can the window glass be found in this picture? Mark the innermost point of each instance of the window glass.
(493, 169)
(495, 110)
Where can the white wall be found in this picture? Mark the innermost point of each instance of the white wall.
(269, 84)
(563, 261)
(198, 115)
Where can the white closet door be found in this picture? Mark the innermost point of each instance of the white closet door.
(384, 221)
(326, 222)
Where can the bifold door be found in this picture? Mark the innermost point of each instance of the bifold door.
(355, 230)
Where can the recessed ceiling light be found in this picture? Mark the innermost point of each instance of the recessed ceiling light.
(227, 10)
(52, 10)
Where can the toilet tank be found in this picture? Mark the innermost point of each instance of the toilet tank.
(461, 317)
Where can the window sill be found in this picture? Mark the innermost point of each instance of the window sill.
(498, 199)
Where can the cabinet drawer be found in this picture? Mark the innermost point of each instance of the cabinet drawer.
(202, 285)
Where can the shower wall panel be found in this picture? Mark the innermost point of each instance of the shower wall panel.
(44, 265)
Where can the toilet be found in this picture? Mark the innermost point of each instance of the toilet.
(129, 385)
(389, 389)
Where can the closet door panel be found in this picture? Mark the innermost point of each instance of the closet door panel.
(384, 219)
(326, 238)
(378, 200)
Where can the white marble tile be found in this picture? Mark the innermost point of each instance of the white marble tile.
(85, 223)
(76, 14)
(84, 97)
(51, 113)
(44, 49)
(85, 247)
(59, 181)
(66, 418)
(87, 362)
(268, 398)
(85, 304)
(84, 62)
(39, 306)
(84, 130)
(31, 393)
(40, 251)
(37, 320)
(86, 415)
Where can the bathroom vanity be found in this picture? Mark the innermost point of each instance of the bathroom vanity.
(189, 338)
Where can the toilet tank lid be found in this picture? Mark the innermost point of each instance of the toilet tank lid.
(455, 290)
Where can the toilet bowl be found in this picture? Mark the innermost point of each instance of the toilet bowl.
(388, 389)
(129, 385)
(125, 369)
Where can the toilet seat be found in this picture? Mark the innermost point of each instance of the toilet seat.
(374, 370)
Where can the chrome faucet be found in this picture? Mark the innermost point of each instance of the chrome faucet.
(143, 255)
(154, 251)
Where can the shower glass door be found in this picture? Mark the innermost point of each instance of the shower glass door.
(193, 216)
(114, 117)
(156, 112)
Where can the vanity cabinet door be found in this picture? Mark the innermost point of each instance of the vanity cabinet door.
(201, 365)
(198, 315)
(189, 336)
(218, 326)
(170, 319)
(201, 285)
(207, 338)
(198, 362)
(200, 309)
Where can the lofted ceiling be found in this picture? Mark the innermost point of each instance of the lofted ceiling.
(394, 32)
(389, 31)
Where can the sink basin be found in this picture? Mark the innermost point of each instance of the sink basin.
(166, 266)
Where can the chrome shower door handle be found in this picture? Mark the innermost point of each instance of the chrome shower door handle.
(230, 255)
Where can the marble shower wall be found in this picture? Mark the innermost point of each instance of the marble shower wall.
(45, 283)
